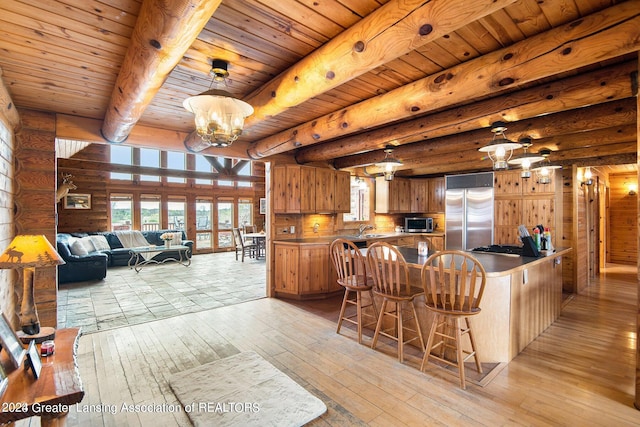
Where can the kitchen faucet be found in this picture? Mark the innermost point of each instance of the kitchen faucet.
(363, 228)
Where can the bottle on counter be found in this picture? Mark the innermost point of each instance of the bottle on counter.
(537, 239)
(547, 237)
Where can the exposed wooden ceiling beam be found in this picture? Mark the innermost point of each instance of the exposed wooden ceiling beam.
(396, 28)
(164, 31)
(603, 85)
(577, 122)
(7, 107)
(597, 37)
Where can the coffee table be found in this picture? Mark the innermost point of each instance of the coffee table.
(137, 260)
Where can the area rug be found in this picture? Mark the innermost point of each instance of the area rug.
(244, 390)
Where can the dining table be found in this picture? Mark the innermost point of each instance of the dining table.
(260, 239)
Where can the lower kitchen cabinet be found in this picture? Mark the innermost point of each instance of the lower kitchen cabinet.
(303, 270)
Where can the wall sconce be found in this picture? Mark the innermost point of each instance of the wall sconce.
(219, 116)
(28, 252)
(526, 159)
(389, 164)
(361, 183)
(632, 189)
(587, 177)
(500, 149)
(544, 170)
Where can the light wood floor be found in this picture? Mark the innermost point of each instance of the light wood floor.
(580, 371)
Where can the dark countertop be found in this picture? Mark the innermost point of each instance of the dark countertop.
(493, 263)
(353, 238)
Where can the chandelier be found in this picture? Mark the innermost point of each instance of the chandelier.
(526, 159)
(544, 169)
(219, 116)
(500, 149)
(388, 164)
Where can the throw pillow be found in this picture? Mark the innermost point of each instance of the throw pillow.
(177, 238)
(77, 248)
(88, 244)
(100, 243)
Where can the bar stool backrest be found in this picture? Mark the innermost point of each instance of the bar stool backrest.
(388, 269)
(453, 282)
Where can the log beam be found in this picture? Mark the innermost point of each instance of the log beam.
(604, 85)
(163, 33)
(7, 107)
(396, 28)
(598, 37)
(572, 125)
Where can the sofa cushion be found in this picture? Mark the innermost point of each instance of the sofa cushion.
(87, 243)
(100, 243)
(77, 248)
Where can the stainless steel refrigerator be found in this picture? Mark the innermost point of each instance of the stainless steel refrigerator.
(469, 210)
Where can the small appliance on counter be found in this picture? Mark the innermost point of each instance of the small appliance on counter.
(418, 225)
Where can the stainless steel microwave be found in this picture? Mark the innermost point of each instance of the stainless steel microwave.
(418, 225)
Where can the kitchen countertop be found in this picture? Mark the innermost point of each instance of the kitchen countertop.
(493, 263)
(354, 238)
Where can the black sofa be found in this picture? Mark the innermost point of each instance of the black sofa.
(93, 266)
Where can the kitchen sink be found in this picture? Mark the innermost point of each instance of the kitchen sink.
(368, 236)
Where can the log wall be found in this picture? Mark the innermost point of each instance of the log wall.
(35, 203)
(7, 277)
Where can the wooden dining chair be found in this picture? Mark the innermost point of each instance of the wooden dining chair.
(352, 276)
(390, 274)
(245, 248)
(453, 283)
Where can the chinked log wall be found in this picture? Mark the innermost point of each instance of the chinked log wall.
(35, 203)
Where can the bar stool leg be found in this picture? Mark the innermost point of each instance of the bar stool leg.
(379, 324)
(343, 309)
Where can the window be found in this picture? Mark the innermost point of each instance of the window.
(245, 171)
(151, 158)
(150, 212)
(359, 201)
(245, 212)
(121, 155)
(202, 165)
(225, 223)
(176, 213)
(203, 224)
(176, 161)
(121, 211)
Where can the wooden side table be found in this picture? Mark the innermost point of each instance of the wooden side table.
(50, 396)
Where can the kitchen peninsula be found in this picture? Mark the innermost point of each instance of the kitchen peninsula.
(522, 298)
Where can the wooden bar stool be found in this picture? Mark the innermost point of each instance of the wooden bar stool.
(453, 283)
(352, 275)
(390, 274)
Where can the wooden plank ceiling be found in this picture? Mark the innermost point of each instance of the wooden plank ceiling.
(337, 80)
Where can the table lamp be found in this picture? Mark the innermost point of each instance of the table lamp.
(28, 252)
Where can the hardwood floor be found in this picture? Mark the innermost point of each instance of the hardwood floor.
(580, 371)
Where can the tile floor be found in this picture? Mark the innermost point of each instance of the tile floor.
(160, 291)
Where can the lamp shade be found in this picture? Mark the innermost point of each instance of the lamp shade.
(30, 251)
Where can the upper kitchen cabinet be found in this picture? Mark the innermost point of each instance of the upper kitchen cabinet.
(427, 195)
(436, 195)
(393, 196)
(343, 192)
(294, 189)
(304, 189)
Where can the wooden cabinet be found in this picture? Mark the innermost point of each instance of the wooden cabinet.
(325, 183)
(437, 191)
(521, 201)
(294, 189)
(286, 269)
(343, 192)
(304, 189)
(427, 195)
(419, 195)
(393, 196)
(433, 242)
(303, 270)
